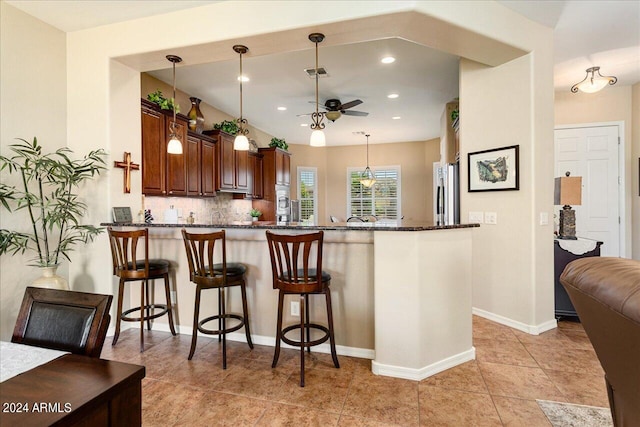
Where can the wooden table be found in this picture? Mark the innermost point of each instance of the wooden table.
(74, 390)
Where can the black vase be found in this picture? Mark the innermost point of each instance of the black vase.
(196, 119)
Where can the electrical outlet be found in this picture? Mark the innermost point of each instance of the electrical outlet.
(490, 218)
(174, 295)
(476, 217)
(295, 308)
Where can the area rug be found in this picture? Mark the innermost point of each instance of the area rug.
(568, 415)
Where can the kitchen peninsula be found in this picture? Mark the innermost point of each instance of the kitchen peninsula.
(401, 291)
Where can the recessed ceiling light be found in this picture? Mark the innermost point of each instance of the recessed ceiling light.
(388, 60)
(243, 78)
(303, 124)
(393, 96)
(396, 117)
(282, 108)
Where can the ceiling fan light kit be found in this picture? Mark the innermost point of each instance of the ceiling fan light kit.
(175, 145)
(594, 81)
(241, 143)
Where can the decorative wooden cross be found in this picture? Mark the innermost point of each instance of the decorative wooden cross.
(128, 166)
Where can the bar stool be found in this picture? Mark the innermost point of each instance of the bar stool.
(128, 267)
(205, 274)
(296, 272)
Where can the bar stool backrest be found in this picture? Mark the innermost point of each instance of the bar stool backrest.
(201, 248)
(124, 253)
(296, 261)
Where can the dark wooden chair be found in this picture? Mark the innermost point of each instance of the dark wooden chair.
(63, 320)
(202, 249)
(129, 267)
(296, 271)
(355, 219)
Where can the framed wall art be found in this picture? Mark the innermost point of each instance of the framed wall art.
(494, 170)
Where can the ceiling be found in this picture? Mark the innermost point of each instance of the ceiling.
(586, 33)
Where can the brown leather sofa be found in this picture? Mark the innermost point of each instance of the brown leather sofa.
(606, 295)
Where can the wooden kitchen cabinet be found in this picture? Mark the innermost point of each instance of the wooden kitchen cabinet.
(276, 165)
(209, 168)
(255, 166)
(233, 165)
(177, 163)
(153, 151)
(201, 165)
(449, 141)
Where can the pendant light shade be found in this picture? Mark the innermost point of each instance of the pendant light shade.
(594, 81)
(317, 136)
(368, 178)
(317, 139)
(241, 143)
(175, 145)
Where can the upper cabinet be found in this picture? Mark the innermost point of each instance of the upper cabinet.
(449, 141)
(201, 165)
(162, 174)
(256, 166)
(233, 165)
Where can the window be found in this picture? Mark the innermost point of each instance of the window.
(307, 194)
(381, 200)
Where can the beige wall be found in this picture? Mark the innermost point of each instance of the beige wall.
(612, 104)
(414, 158)
(635, 172)
(103, 96)
(33, 103)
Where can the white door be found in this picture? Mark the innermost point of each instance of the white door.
(592, 153)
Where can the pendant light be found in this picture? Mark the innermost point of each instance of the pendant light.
(175, 145)
(317, 136)
(593, 82)
(241, 143)
(367, 178)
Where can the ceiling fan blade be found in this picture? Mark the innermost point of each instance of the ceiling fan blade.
(302, 115)
(350, 104)
(355, 113)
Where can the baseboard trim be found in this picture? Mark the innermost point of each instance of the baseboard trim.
(425, 372)
(362, 353)
(530, 329)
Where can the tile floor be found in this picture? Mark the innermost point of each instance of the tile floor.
(512, 369)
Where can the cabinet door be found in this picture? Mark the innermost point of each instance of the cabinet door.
(242, 170)
(153, 153)
(208, 163)
(177, 163)
(227, 163)
(192, 151)
(279, 167)
(286, 173)
(258, 191)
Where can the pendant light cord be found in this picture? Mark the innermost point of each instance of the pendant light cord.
(241, 78)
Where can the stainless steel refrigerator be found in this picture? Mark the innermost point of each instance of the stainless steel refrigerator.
(446, 194)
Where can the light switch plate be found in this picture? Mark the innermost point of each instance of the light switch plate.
(476, 217)
(490, 218)
(544, 218)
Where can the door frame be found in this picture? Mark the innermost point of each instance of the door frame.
(622, 240)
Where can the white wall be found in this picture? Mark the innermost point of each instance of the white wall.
(33, 103)
(103, 97)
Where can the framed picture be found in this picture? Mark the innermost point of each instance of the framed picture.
(122, 215)
(494, 170)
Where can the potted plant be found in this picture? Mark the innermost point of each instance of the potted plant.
(227, 126)
(279, 143)
(47, 196)
(164, 103)
(255, 214)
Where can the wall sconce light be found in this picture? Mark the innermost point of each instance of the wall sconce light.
(594, 81)
(175, 145)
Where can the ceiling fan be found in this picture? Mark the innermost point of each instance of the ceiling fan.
(335, 109)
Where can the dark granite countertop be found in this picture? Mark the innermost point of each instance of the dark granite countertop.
(338, 226)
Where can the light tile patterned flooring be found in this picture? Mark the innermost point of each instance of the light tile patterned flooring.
(512, 369)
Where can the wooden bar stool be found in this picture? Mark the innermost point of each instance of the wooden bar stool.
(205, 274)
(129, 267)
(296, 272)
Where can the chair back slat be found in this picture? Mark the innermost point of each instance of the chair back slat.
(124, 252)
(201, 255)
(296, 261)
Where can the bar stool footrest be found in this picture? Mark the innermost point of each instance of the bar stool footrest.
(307, 326)
(234, 328)
(162, 307)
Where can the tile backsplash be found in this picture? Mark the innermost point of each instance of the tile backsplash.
(222, 209)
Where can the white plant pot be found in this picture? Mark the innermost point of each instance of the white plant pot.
(254, 218)
(50, 279)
